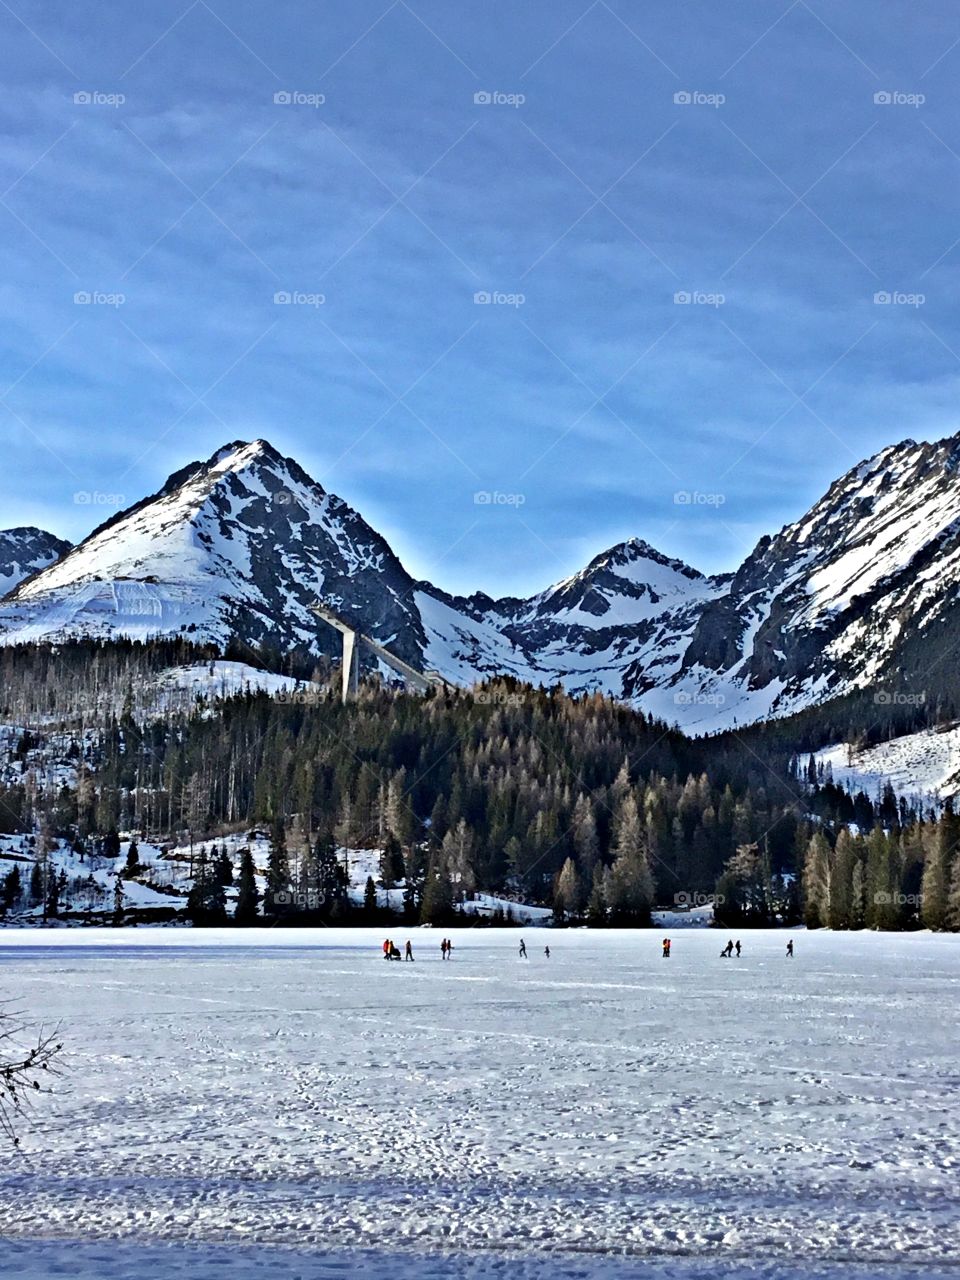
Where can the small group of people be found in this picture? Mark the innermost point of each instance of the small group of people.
(391, 952)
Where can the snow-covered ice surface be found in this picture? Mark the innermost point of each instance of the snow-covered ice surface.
(290, 1105)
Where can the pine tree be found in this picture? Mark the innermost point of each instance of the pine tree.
(131, 867)
(437, 905)
(816, 882)
(53, 896)
(277, 896)
(459, 853)
(12, 888)
(206, 902)
(36, 884)
(568, 896)
(940, 853)
(391, 861)
(629, 883)
(371, 906)
(585, 834)
(845, 860)
(952, 917)
(223, 867)
(884, 910)
(330, 880)
(597, 910)
(248, 896)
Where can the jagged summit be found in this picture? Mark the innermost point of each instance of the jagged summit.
(238, 546)
(25, 551)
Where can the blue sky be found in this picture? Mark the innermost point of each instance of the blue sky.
(782, 198)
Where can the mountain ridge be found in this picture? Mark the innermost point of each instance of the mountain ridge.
(237, 547)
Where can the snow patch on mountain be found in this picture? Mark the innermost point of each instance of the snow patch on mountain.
(922, 767)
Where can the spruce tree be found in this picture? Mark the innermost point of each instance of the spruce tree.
(248, 896)
(12, 888)
(36, 884)
(330, 883)
(131, 867)
(371, 906)
(437, 905)
(223, 867)
(277, 896)
(391, 861)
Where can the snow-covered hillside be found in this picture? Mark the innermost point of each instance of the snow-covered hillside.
(922, 767)
(165, 877)
(237, 548)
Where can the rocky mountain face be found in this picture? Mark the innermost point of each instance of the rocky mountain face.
(239, 546)
(235, 547)
(24, 552)
(837, 599)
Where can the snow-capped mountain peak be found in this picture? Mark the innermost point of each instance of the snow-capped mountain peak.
(239, 546)
(24, 552)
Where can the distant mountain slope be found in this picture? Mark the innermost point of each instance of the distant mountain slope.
(864, 586)
(831, 602)
(237, 546)
(24, 552)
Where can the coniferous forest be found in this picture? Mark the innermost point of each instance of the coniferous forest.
(577, 804)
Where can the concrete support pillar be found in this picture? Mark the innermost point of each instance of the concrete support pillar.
(350, 673)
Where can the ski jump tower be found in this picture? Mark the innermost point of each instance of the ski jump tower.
(350, 668)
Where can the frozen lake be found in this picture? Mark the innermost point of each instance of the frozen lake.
(298, 1107)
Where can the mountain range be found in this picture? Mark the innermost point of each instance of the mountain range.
(238, 547)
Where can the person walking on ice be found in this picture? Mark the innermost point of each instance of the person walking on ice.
(666, 948)
(546, 952)
(523, 950)
(738, 948)
(408, 951)
(790, 949)
(727, 951)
